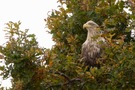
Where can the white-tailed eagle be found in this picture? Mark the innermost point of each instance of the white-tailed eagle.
(91, 48)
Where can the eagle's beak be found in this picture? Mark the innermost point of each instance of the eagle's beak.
(86, 26)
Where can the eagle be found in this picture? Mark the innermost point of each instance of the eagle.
(91, 48)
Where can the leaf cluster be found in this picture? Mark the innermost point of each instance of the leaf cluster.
(22, 57)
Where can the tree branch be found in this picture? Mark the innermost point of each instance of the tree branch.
(69, 81)
(63, 75)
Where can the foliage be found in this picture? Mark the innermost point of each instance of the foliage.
(65, 71)
(22, 57)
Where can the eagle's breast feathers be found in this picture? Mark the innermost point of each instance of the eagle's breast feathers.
(90, 53)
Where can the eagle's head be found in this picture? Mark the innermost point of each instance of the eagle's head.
(90, 25)
(92, 28)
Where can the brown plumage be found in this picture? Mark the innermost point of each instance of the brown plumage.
(91, 48)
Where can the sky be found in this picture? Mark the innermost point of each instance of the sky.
(31, 13)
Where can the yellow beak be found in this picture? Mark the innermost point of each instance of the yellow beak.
(86, 26)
